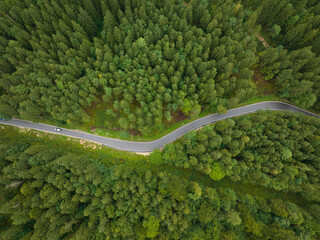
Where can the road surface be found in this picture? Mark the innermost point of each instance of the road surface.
(150, 146)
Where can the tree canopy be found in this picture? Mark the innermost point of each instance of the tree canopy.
(144, 60)
(57, 193)
(275, 149)
(292, 62)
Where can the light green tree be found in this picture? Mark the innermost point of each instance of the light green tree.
(151, 227)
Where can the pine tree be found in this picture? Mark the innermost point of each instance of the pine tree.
(87, 23)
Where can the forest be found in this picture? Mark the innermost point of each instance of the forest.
(58, 193)
(143, 60)
(274, 149)
(292, 23)
(292, 63)
(141, 66)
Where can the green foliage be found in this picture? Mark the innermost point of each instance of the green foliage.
(5, 116)
(195, 111)
(222, 109)
(123, 123)
(294, 64)
(152, 227)
(296, 74)
(44, 182)
(136, 58)
(286, 154)
(141, 43)
(233, 218)
(293, 22)
(206, 213)
(156, 157)
(217, 172)
(177, 189)
(265, 148)
(124, 134)
(275, 31)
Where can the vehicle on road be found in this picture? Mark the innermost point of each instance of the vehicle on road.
(125, 145)
(3, 119)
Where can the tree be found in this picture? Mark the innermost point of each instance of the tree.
(141, 43)
(5, 116)
(151, 227)
(168, 59)
(233, 218)
(275, 31)
(279, 208)
(123, 123)
(177, 189)
(194, 111)
(222, 109)
(168, 116)
(206, 213)
(294, 34)
(156, 157)
(87, 23)
(217, 172)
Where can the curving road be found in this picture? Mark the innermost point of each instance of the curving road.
(150, 146)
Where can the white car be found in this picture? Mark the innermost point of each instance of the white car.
(57, 129)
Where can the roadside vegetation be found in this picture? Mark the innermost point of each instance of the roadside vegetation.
(89, 193)
(100, 75)
(145, 62)
(272, 149)
(137, 70)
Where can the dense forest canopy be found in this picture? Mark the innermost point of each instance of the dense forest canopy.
(293, 23)
(274, 149)
(293, 63)
(59, 194)
(145, 60)
(295, 74)
(145, 63)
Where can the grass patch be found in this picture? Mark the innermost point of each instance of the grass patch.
(264, 87)
(257, 99)
(106, 155)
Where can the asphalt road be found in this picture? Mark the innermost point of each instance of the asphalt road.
(150, 146)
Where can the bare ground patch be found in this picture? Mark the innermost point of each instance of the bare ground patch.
(263, 87)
